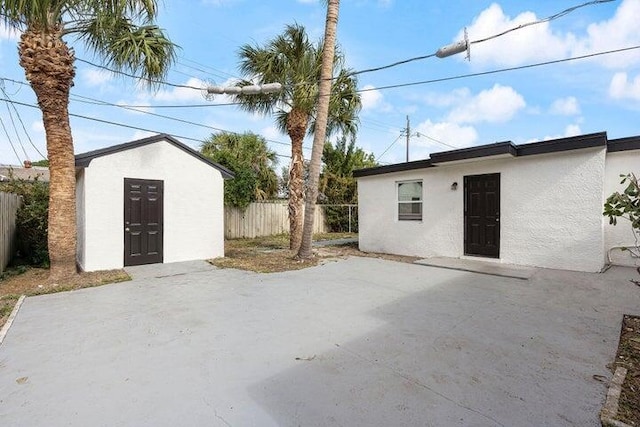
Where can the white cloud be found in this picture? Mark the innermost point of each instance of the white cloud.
(37, 126)
(572, 130)
(540, 42)
(272, 132)
(92, 77)
(496, 105)
(452, 98)
(182, 94)
(373, 99)
(442, 136)
(8, 33)
(569, 131)
(623, 88)
(568, 106)
(533, 43)
(618, 32)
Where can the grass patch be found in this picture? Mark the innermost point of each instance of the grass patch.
(628, 356)
(32, 281)
(271, 254)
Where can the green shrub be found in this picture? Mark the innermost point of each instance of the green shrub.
(31, 220)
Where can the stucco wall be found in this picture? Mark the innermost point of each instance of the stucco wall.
(550, 210)
(193, 204)
(619, 163)
(80, 214)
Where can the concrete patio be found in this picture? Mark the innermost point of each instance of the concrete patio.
(358, 342)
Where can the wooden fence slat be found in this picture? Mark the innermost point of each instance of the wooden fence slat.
(264, 219)
(9, 204)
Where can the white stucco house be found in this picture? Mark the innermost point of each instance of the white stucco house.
(148, 201)
(537, 204)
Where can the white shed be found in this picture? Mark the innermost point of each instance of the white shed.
(148, 201)
(537, 204)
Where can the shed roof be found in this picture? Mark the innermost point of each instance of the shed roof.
(508, 149)
(40, 173)
(84, 159)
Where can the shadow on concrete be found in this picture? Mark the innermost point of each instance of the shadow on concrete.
(472, 351)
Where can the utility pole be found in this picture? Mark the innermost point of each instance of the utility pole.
(408, 131)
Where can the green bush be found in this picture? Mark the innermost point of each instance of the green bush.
(31, 220)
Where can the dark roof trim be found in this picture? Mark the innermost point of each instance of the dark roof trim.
(83, 160)
(564, 144)
(495, 149)
(499, 148)
(398, 167)
(624, 144)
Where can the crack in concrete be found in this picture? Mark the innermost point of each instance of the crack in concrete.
(419, 384)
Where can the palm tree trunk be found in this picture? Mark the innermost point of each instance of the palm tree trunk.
(296, 128)
(322, 114)
(48, 64)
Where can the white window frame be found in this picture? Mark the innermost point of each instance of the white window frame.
(409, 217)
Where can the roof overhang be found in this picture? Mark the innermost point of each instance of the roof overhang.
(506, 150)
(84, 159)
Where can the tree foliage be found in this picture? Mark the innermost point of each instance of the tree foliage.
(337, 184)
(252, 162)
(626, 204)
(31, 219)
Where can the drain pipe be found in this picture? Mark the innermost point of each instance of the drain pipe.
(609, 263)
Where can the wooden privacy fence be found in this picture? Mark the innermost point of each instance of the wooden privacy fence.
(9, 204)
(264, 219)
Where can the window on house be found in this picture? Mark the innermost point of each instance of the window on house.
(410, 201)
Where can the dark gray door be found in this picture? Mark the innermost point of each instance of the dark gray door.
(143, 221)
(482, 215)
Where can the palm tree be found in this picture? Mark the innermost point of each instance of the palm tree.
(324, 89)
(292, 60)
(122, 33)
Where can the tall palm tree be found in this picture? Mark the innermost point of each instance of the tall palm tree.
(120, 32)
(295, 62)
(324, 89)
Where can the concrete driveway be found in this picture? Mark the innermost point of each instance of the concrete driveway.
(359, 342)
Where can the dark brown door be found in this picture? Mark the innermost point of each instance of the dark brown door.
(482, 215)
(143, 221)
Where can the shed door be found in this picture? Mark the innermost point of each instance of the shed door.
(143, 221)
(482, 215)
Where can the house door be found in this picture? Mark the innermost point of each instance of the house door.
(143, 221)
(482, 215)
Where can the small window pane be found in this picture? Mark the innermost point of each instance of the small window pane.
(410, 211)
(409, 191)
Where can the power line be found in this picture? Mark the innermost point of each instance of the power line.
(387, 149)
(9, 139)
(540, 21)
(162, 82)
(547, 19)
(109, 122)
(24, 128)
(126, 107)
(502, 70)
(15, 130)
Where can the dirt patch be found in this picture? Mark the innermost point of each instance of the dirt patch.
(271, 254)
(628, 356)
(33, 281)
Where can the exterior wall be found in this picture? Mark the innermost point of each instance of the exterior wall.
(193, 204)
(618, 163)
(80, 216)
(551, 210)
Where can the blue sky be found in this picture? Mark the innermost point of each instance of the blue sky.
(564, 99)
